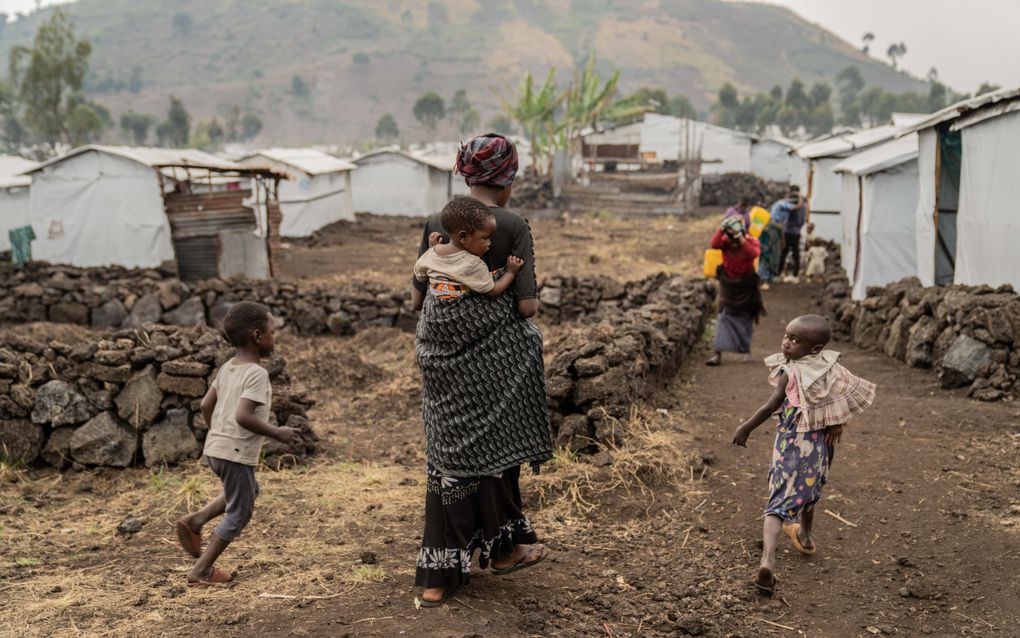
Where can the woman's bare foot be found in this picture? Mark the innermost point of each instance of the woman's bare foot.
(522, 554)
(433, 594)
(715, 360)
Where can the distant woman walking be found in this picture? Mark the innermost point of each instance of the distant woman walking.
(483, 380)
(740, 303)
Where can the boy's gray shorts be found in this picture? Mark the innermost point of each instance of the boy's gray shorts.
(240, 490)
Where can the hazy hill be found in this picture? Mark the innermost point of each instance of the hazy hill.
(362, 58)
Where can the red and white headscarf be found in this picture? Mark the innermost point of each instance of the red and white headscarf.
(487, 160)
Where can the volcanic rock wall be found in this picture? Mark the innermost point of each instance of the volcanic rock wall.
(616, 355)
(116, 297)
(970, 335)
(125, 398)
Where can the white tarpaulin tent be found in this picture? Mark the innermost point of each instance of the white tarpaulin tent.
(102, 205)
(772, 158)
(667, 138)
(317, 191)
(975, 142)
(824, 185)
(14, 195)
(395, 182)
(879, 196)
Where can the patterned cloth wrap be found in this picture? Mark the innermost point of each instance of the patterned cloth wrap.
(826, 393)
(483, 386)
(489, 160)
(452, 290)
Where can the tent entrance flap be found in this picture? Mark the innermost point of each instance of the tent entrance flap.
(948, 163)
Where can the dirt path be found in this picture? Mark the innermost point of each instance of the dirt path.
(928, 477)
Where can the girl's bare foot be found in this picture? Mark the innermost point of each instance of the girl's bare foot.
(433, 594)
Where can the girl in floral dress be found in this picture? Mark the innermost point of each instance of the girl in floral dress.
(815, 396)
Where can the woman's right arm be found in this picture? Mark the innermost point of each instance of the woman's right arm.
(526, 284)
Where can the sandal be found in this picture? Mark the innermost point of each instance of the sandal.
(219, 577)
(524, 562)
(791, 531)
(190, 541)
(766, 582)
(447, 595)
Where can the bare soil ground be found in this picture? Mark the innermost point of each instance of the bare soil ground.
(661, 543)
(381, 248)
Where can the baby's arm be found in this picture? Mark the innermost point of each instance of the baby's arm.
(513, 266)
(248, 420)
(763, 413)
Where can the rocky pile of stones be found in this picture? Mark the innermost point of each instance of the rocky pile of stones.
(970, 335)
(117, 297)
(123, 398)
(727, 189)
(615, 357)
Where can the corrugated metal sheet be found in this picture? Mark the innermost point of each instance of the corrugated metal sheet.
(197, 257)
(196, 220)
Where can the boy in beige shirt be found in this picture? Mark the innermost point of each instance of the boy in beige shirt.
(455, 268)
(237, 410)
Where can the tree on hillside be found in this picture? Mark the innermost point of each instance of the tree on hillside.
(849, 84)
(135, 81)
(868, 38)
(460, 103)
(470, 122)
(12, 133)
(386, 128)
(986, 87)
(429, 109)
(298, 87)
(501, 124)
(217, 134)
(681, 106)
(895, 52)
(182, 22)
(251, 126)
(175, 130)
(136, 126)
(47, 79)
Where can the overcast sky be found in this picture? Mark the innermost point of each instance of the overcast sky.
(968, 41)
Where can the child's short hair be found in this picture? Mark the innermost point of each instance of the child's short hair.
(817, 327)
(242, 319)
(464, 214)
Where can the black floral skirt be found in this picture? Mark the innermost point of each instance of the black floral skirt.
(465, 514)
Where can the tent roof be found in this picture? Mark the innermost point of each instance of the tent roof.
(152, 157)
(777, 139)
(881, 157)
(849, 142)
(13, 169)
(307, 160)
(967, 107)
(659, 118)
(434, 162)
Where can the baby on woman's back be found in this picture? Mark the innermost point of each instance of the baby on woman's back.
(455, 268)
